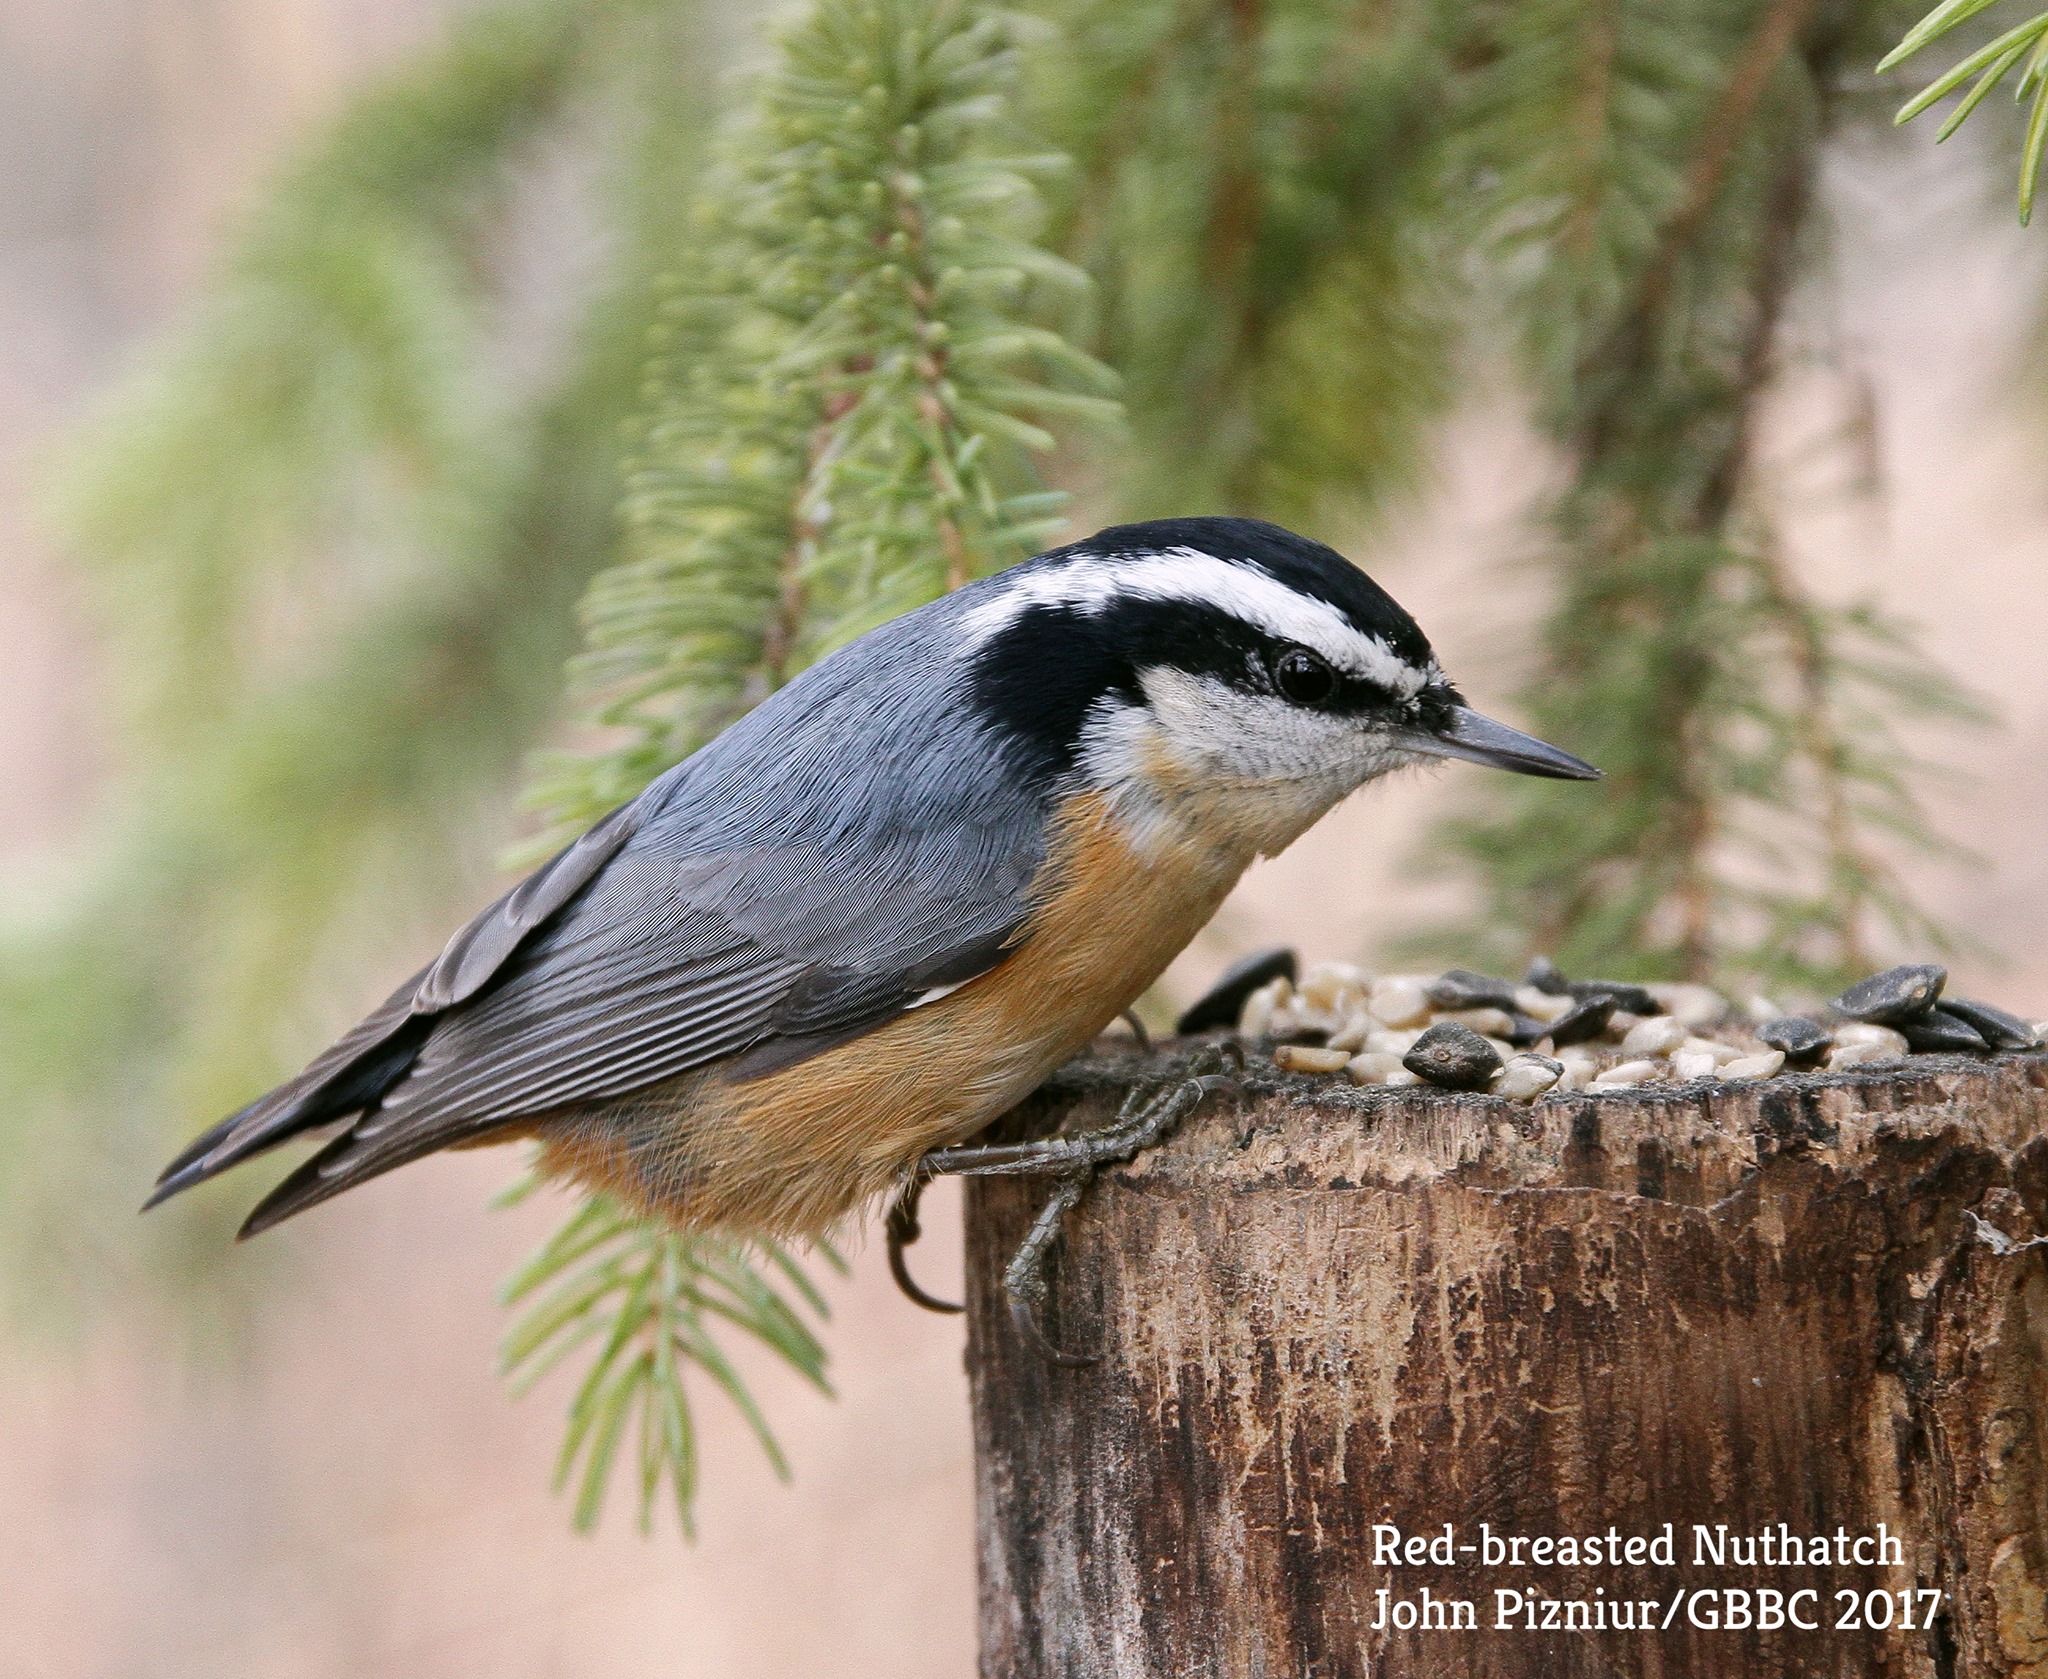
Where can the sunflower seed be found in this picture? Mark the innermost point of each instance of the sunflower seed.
(1398, 1000)
(1695, 1005)
(1333, 986)
(1396, 1044)
(1527, 1076)
(1372, 1068)
(1658, 1035)
(1308, 1058)
(1488, 1023)
(1627, 1074)
(1585, 1020)
(1722, 1053)
(1461, 988)
(1845, 1056)
(1897, 994)
(1937, 1032)
(1854, 1032)
(1997, 1028)
(1352, 1034)
(1453, 1056)
(1633, 998)
(1260, 1007)
(1224, 1002)
(1543, 1005)
(1804, 1041)
(1754, 1066)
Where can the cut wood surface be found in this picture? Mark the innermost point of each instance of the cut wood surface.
(1325, 1313)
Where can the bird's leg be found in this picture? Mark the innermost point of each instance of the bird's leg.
(1024, 1279)
(1144, 1121)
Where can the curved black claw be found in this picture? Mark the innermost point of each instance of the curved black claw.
(1034, 1337)
(1137, 1026)
(902, 1229)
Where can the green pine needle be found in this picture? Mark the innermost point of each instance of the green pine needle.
(1990, 64)
(649, 1300)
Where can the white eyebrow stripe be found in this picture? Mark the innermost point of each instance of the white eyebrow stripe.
(1089, 583)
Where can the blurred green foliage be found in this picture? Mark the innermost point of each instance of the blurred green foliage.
(856, 316)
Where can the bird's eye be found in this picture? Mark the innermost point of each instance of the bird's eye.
(1303, 678)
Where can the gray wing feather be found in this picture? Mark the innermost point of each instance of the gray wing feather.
(476, 953)
(803, 878)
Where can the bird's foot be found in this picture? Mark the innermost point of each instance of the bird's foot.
(1146, 1119)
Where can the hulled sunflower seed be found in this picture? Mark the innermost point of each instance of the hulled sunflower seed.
(1398, 1000)
(1528, 1076)
(1865, 1054)
(1310, 1058)
(1658, 1035)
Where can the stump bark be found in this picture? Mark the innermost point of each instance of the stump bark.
(1795, 1309)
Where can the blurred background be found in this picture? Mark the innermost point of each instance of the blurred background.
(327, 616)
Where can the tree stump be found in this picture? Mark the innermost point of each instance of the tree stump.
(1362, 1349)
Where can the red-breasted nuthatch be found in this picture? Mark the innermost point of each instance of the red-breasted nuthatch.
(879, 909)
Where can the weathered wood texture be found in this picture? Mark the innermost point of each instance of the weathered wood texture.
(1320, 1309)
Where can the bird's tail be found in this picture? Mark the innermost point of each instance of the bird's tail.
(349, 1078)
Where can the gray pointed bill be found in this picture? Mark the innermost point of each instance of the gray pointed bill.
(1480, 740)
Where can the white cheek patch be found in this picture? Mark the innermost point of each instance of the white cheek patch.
(1224, 732)
(1090, 583)
(1244, 769)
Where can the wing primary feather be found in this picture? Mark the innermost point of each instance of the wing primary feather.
(351, 1075)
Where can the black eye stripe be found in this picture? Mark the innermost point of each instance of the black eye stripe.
(1039, 680)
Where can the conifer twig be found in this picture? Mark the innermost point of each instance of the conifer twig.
(856, 372)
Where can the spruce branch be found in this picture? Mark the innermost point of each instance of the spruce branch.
(647, 1299)
(2024, 47)
(854, 371)
(1754, 779)
(1259, 192)
(338, 542)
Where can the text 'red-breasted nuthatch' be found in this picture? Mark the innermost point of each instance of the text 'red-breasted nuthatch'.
(880, 908)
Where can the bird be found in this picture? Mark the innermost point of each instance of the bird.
(881, 907)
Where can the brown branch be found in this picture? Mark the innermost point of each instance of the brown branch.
(1819, 738)
(1590, 132)
(1719, 135)
(786, 618)
(1235, 209)
(1625, 350)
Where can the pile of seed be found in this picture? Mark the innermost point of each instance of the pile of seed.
(1468, 1031)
